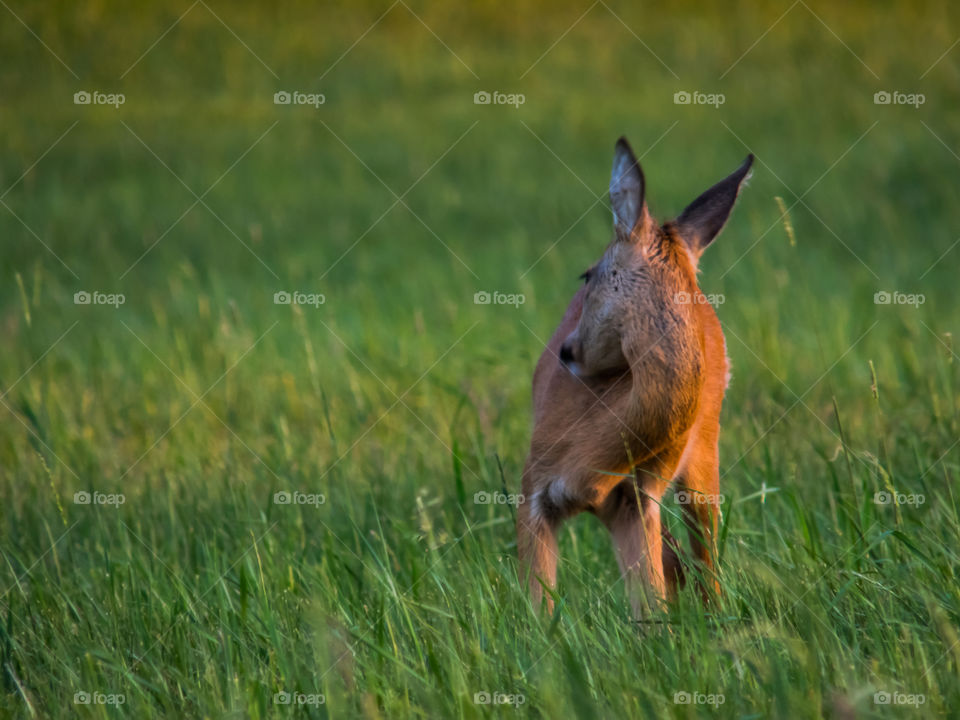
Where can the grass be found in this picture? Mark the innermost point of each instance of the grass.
(398, 399)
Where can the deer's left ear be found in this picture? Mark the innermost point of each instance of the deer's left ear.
(705, 217)
(626, 190)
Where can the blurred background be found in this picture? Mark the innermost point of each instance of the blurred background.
(172, 174)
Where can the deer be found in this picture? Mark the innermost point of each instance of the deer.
(626, 401)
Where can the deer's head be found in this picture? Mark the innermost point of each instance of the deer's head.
(639, 296)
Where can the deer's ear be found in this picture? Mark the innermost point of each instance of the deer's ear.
(626, 190)
(705, 217)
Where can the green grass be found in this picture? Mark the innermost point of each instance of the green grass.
(397, 399)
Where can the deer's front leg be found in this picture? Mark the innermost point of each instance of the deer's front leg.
(699, 493)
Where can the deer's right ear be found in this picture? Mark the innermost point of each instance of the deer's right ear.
(626, 190)
(705, 217)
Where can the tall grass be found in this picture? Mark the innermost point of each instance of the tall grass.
(398, 399)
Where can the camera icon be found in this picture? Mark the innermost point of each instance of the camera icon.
(481, 698)
(881, 698)
(481, 498)
(681, 97)
(882, 298)
(882, 498)
(81, 298)
(681, 497)
(282, 97)
(481, 97)
(281, 698)
(81, 698)
(81, 498)
(682, 298)
(881, 97)
(681, 698)
(481, 298)
(81, 98)
(282, 498)
(281, 298)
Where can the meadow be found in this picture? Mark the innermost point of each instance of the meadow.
(259, 429)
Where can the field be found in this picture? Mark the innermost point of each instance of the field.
(219, 504)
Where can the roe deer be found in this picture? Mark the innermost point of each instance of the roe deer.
(627, 396)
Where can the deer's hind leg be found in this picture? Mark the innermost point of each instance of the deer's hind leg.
(537, 550)
(634, 524)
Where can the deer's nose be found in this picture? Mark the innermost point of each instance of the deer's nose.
(566, 353)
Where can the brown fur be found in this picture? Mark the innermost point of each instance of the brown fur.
(633, 407)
